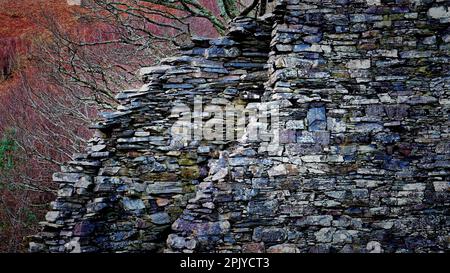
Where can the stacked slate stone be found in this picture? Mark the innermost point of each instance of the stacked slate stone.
(135, 179)
(362, 163)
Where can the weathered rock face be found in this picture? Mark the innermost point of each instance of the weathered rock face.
(362, 164)
(135, 178)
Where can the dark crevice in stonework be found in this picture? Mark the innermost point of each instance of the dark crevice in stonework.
(362, 165)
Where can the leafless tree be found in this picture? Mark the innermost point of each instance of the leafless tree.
(78, 71)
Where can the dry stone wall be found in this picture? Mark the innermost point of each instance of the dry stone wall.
(361, 164)
(135, 179)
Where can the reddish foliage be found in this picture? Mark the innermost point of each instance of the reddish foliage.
(19, 24)
(22, 24)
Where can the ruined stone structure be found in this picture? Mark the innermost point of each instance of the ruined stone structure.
(363, 88)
